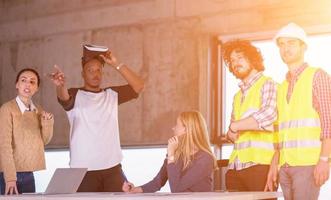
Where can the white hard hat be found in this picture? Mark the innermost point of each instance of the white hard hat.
(292, 30)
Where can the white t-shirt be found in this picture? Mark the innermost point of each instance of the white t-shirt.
(94, 130)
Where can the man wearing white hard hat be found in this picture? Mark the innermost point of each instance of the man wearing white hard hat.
(304, 119)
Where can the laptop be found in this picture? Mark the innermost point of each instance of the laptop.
(65, 181)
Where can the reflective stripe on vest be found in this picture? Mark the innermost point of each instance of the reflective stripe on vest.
(300, 144)
(299, 124)
(254, 144)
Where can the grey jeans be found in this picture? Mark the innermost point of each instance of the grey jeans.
(297, 183)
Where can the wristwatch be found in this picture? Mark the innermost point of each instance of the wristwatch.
(324, 158)
(118, 67)
(171, 158)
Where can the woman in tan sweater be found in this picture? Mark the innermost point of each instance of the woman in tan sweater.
(24, 130)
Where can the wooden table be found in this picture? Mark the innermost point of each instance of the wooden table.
(158, 196)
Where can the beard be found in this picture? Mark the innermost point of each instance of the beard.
(241, 74)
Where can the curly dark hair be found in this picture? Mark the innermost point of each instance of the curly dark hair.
(252, 53)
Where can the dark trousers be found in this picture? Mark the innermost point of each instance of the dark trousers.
(250, 179)
(107, 180)
(25, 182)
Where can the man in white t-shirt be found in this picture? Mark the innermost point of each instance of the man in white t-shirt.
(93, 116)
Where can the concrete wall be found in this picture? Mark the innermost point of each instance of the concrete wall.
(165, 41)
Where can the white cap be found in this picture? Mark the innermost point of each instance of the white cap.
(292, 30)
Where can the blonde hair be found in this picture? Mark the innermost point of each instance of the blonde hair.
(195, 139)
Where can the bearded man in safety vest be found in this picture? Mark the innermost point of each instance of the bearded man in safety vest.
(254, 112)
(304, 119)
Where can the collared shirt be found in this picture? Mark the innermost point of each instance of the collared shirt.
(22, 106)
(265, 116)
(321, 95)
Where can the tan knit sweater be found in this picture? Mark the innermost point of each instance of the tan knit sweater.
(22, 140)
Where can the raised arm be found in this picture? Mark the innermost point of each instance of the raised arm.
(136, 82)
(59, 81)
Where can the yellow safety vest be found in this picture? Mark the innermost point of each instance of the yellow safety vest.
(298, 123)
(252, 146)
